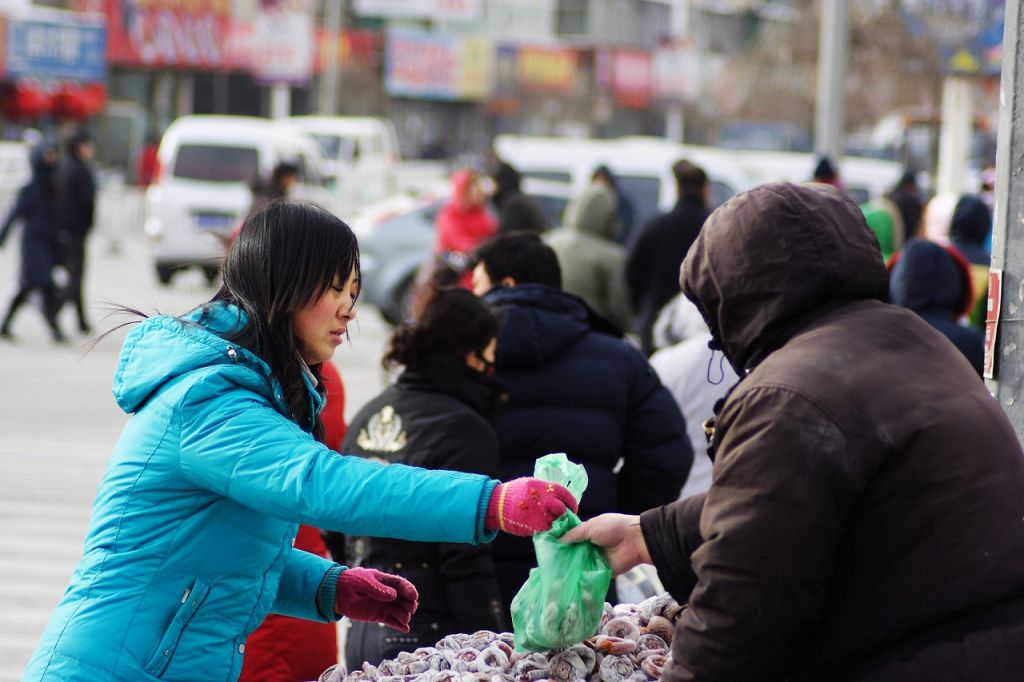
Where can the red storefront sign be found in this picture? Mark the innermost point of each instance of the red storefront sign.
(631, 78)
(173, 33)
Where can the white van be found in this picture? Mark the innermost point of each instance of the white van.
(360, 154)
(206, 166)
(863, 178)
(642, 166)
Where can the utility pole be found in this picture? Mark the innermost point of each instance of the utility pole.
(675, 118)
(328, 99)
(955, 134)
(829, 115)
(280, 100)
(1007, 347)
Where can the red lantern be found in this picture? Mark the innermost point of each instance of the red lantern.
(24, 101)
(97, 96)
(70, 101)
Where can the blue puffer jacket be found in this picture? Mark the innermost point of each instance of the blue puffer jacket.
(190, 541)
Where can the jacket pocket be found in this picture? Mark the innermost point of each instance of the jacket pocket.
(191, 600)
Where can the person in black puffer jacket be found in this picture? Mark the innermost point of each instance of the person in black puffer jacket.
(437, 416)
(575, 390)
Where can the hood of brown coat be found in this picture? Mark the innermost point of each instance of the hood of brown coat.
(770, 259)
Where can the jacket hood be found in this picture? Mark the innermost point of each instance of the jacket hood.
(460, 185)
(930, 277)
(537, 323)
(42, 171)
(506, 178)
(680, 320)
(768, 259)
(937, 216)
(163, 348)
(971, 220)
(595, 212)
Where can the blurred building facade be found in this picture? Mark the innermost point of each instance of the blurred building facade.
(450, 74)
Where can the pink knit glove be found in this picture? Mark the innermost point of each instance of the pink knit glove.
(526, 506)
(372, 596)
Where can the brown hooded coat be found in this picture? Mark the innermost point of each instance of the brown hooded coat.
(866, 520)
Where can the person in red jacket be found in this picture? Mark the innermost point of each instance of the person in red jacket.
(285, 649)
(463, 223)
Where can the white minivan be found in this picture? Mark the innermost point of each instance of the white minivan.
(642, 166)
(206, 167)
(360, 155)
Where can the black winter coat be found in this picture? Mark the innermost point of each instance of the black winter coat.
(77, 203)
(654, 257)
(436, 416)
(589, 395)
(34, 207)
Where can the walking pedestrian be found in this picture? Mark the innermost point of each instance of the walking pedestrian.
(437, 415)
(591, 260)
(624, 207)
(652, 264)
(865, 517)
(33, 209)
(516, 211)
(906, 197)
(190, 542)
(462, 224)
(76, 205)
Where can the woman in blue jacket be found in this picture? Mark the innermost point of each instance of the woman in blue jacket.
(190, 542)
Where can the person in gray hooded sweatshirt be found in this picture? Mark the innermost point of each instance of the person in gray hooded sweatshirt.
(592, 261)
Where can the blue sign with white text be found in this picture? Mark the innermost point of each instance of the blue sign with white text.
(56, 49)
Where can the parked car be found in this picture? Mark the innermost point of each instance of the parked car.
(206, 165)
(396, 237)
(360, 154)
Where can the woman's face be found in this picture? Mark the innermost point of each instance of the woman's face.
(320, 326)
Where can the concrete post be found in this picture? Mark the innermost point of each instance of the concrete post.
(675, 116)
(955, 134)
(280, 100)
(1008, 237)
(328, 97)
(829, 114)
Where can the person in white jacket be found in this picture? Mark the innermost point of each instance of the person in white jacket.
(695, 375)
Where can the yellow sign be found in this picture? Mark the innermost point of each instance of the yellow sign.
(546, 68)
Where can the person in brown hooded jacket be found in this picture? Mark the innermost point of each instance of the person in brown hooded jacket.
(866, 516)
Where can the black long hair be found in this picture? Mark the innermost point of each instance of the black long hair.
(454, 322)
(286, 256)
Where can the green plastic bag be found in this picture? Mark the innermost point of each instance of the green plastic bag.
(561, 602)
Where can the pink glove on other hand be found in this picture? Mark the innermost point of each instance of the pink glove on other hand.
(526, 506)
(373, 596)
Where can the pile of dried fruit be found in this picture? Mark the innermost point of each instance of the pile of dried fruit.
(632, 644)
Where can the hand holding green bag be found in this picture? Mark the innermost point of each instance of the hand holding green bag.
(561, 602)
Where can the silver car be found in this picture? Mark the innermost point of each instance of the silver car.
(397, 235)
